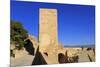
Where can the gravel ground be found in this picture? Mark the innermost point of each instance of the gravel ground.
(25, 60)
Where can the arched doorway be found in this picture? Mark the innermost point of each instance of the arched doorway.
(29, 47)
(62, 58)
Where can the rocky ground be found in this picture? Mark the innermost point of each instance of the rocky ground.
(84, 55)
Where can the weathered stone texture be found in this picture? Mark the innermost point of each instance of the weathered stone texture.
(47, 28)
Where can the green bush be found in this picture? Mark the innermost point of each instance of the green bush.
(18, 34)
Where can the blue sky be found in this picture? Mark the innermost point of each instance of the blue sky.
(76, 23)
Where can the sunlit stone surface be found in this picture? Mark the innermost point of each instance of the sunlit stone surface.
(47, 28)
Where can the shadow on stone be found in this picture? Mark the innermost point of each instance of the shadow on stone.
(90, 58)
(38, 60)
(29, 47)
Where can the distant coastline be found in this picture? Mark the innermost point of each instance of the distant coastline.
(85, 46)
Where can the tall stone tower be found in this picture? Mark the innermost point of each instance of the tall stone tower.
(47, 28)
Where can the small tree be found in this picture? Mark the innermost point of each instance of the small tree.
(18, 34)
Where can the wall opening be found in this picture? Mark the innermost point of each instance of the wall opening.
(61, 58)
(29, 47)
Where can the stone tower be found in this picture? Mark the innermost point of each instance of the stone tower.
(47, 28)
